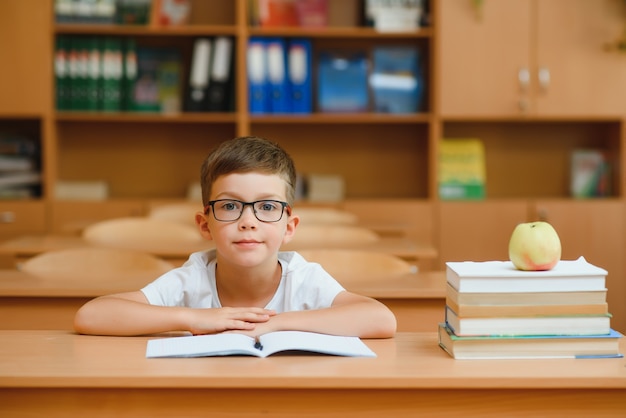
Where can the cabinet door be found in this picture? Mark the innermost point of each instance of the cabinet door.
(26, 57)
(482, 52)
(594, 230)
(584, 77)
(478, 231)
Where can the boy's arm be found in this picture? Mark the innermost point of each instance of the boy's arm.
(350, 314)
(130, 314)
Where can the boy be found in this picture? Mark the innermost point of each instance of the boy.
(245, 284)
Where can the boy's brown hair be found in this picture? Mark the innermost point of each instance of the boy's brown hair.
(244, 155)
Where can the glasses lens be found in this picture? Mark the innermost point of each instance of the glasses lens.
(268, 210)
(227, 210)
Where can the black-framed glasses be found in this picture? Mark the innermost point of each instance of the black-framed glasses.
(228, 210)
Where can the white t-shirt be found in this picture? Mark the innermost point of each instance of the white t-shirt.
(303, 285)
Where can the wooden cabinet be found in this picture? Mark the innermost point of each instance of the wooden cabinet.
(521, 57)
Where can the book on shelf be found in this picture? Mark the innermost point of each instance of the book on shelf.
(502, 276)
(529, 325)
(342, 84)
(529, 347)
(396, 79)
(462, 173)
(266, 345)
(590, 174)
(277, 79)
(197, 91)
(85, 11)
(280, 13)
(258, 86)
(170, 12)
(158, 84)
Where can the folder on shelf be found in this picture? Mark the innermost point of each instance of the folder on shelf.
(197, 95)
(299, 60)
(129, 76)
(220, 83)
(257, 76)
(276, 53)
(61, 72)
(93, 76)
(342, 81)
(112, 68)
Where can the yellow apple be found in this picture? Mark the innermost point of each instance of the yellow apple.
(534, 246)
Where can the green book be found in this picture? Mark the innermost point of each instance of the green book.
(93, 79)
(112, 69)
(129, 76)
(61, 72)
(462, 172)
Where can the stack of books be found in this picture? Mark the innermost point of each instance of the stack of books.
(494, 311)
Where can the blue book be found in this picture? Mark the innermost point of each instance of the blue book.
(530, 347)
(396, 79)
(276, 55)
(258, 88)
(299, 60)
(342, 82)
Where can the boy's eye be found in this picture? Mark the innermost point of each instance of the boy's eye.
(267, 206)
(230, 206)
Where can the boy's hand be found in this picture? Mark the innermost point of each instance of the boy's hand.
(214, 320)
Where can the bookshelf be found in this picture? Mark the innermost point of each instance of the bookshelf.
(528, 133)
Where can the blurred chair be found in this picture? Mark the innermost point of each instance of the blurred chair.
(183, 212)
(317, 216)
(153, 236)
(89, 263)
(324, 235)
(356, 265)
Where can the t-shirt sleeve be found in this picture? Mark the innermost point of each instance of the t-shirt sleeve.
(311, 287)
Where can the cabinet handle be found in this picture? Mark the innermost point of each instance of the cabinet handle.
(523, 75)
(7, 217)
(544, 78)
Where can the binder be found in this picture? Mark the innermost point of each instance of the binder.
(197, 95)
(93, 77)
(221, 75)
(258, 99)
(276, 53)
(112, 68)
(299, 64)
(129, 75)
(61, 72)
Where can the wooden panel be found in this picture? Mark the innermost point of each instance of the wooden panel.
(478, 231)
(26, 72)
(481, 56)
(585, 77)
(21, 217)
(593, 229)
(71, 217)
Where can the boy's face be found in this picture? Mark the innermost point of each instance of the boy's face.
(248, 241)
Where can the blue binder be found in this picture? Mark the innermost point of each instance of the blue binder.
(258, 94)
(276, 56)
(299, 60)
(342, 81)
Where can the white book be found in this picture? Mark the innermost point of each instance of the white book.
(530, 325)
(268, 344)
(502, 276)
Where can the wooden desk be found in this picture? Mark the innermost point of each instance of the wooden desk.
(28, 302)
(22, 248)
(57, 373)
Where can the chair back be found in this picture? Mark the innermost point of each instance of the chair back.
(183, 212)
(321, 236)
(89, 263)
(349, 266)
(324, 216)
(153, 236)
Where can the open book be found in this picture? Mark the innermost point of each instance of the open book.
(268, 344)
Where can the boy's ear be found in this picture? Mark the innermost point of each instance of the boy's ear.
(203, 226)
(292, 224)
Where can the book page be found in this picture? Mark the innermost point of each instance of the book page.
(202, 346)
(309, 341)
